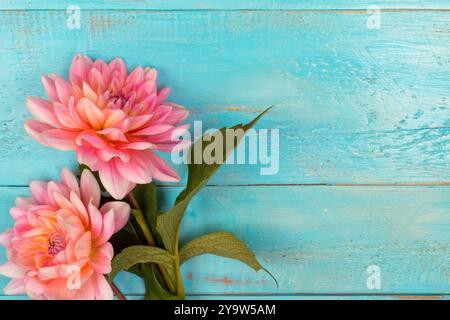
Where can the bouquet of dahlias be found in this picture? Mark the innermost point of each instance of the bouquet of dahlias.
(71, 237)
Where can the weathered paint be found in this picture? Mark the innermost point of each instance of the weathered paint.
(315, 240)
(351, 103)
(224, 4)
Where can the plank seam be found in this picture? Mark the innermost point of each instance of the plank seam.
(342, 10)
(399, 184)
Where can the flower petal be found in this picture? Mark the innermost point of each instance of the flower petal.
(107, 228)
(35, 129)
(69, 180)
(161, 170)
(60, 139)
(90, 190)
(12, 270)
(121, 213)
(50, 89)
(63, 89)
(100, 262)
(39, 191)
(83, 246)
(42, 110)
(96, 220)
(114, 182)
(104, 291)
(138, 169)
(90, 113)
(79, 68)
(15, 287)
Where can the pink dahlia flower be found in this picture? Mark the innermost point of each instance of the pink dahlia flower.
(58, 247)
(114, 120)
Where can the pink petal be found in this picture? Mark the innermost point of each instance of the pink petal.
(161, 170)
(118, 65)
(139, 121)
(177, 115)
(60, 139)
(50, 89)
(83, 246)
(12, 270)
(63, 89)
(114, 182)
(96, 80)
(39, 191)
(114, 134)
(80, 208)
(161, 113)
(100, 262)
(107, 249)
(136, 76)
(107, 154)
(79, 68)
(162, 95)
(89, 112)
(113, 117)
(121, 213)
(88, 156)
(35, 129)
(104, 291)
(89, 93)
(138, 169)
(64, 116)
(70, 223)
(142, 145)
(5, 238)
(42, 110)
(90, 190)
(107, 228)
(69, 180)
(153, 129)
(96, 220)
(93, 139)
(17, 212)
(15, 287)
(63, 202)
(175, 146)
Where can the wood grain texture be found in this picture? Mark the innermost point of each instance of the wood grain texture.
(315, 240)
(353, 105)
(223, 4)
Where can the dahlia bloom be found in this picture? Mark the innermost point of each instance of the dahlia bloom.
(58, 247)
(114, 120)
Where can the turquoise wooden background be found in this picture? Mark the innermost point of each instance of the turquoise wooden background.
(363, 114)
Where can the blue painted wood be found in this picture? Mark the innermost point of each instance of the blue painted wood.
(353, 105)
(315, 240)
(223, 4)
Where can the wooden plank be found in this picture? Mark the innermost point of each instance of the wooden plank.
(353, 105)
(315, 240)
(223, 4)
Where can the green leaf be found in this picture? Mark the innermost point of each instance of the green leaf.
(168, 225)
(154, 289)
(142, 254)
(222, 244)
(146, 195)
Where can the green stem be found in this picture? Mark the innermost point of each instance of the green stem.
(180, 287)
(140, 219)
